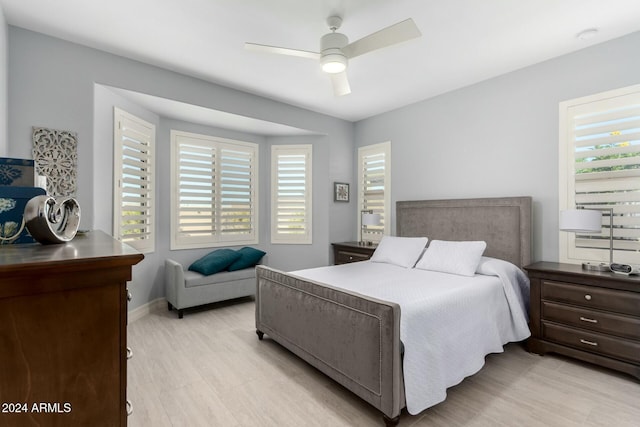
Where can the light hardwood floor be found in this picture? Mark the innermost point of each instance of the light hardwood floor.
(210, 369)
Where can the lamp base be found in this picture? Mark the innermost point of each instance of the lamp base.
(595, 267)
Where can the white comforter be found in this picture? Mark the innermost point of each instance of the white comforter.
(448, 323)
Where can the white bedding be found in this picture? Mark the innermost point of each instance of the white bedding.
(448, 323)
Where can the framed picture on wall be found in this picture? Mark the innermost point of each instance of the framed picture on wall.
(340, 192)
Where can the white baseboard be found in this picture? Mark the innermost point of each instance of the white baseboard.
(143, 310)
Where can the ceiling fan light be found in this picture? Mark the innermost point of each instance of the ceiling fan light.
(333, 63)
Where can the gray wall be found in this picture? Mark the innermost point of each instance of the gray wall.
(499, 137)
(52, 83)
(3, 86)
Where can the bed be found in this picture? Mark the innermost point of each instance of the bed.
(359, 338)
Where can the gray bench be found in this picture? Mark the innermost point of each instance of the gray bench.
(185, 289)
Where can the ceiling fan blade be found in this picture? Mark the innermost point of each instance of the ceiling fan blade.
(340, 84)
(281, 50)
(396, 33)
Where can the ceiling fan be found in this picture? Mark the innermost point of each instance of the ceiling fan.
(335, 49)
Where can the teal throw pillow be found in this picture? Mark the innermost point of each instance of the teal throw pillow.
(215, 261)
(248, 258)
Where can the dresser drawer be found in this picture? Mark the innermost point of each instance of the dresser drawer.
(618, 348)
(343, 257)
(593, 320)
(592, 297)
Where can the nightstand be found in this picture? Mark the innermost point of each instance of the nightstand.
(345, 252)
(587, 315)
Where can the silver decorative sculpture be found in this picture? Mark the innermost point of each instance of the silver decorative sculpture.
(50, 221)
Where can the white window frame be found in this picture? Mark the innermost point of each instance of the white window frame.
(281, 232)
(383, 204)
(573, 113)
(219, 148)
(134, 139)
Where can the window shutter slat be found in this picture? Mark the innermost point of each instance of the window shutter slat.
(195, 189)
(133, 173)
(215, 194)
(603, 135)
(291, 194)
(373, 187)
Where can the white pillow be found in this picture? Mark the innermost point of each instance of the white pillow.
(402, 251)
(452, 257)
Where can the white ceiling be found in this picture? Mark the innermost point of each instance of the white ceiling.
(206, 116)
(463, 41)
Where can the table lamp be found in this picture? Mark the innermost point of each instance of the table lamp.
(588, 221)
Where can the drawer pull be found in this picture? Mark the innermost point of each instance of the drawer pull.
(350, 258)
(591, 343)
(129, 353)
(129, 407)
(129, 296)
(587, 297)
(586, 319)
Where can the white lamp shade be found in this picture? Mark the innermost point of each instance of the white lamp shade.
(333, 63)
(581, 220)
(371, 219)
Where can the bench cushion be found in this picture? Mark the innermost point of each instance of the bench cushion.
(192, 278)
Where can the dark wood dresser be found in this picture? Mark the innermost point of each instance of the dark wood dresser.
(351, 252)
(63, 340)
(591, 316)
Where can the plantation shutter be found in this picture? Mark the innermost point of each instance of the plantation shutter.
(196, 191)
(374, 180)
(237, 201)
(213, 197)
(134, 207)
(604, 143)
(291, 219)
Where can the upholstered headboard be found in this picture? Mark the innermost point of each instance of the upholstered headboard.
(504, 223)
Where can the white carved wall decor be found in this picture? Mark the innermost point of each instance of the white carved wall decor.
(56, 156)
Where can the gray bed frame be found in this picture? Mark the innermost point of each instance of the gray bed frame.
(355, 339)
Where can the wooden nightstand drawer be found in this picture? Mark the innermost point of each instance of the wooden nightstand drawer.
(343, 257)
(593, 342)
(592, 297)
(593, 320)
(346, 252)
